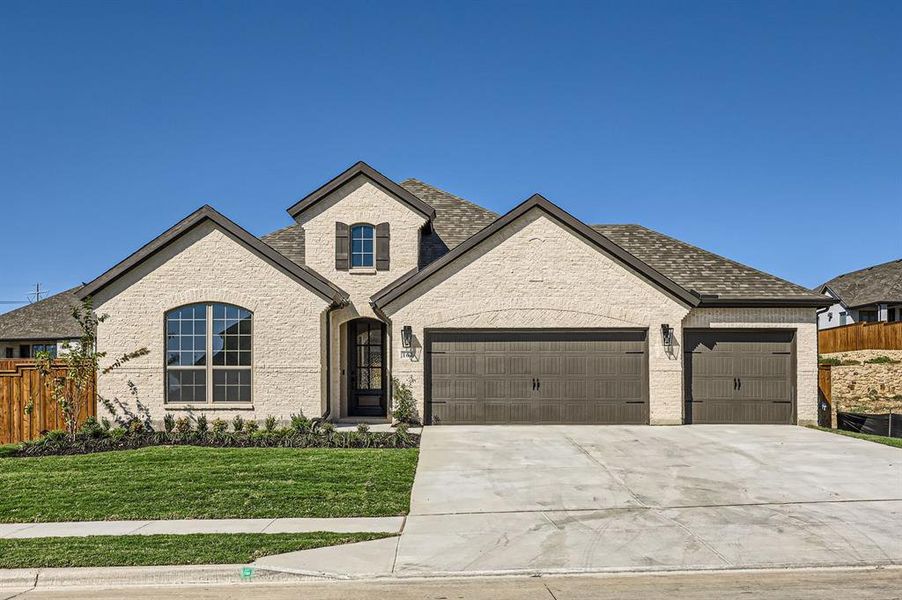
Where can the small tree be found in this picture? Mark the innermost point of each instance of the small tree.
(404, 407)
(77, 389)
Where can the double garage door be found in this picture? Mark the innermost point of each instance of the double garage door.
(601, 376)
(494, 377)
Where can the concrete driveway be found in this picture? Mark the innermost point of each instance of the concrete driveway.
(569, 499)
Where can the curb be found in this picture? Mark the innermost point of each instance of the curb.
(187, 575)
(98, 577)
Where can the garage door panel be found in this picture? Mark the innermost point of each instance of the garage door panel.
(537, 377)
(739, 376)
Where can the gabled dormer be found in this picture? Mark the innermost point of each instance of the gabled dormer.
(361, 229)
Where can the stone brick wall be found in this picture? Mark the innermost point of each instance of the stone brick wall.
(206, 265)
(535, 273)
(803, 320)
(868, 388)
(357, 201)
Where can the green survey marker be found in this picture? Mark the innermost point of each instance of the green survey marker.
(247, 573)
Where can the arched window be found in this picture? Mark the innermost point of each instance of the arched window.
(362, 241)
(209, 354)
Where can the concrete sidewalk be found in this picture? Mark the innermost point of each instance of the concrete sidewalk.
(188, 526)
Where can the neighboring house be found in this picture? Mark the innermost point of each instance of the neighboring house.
(528, 317)
(864, 296)
(46, 325)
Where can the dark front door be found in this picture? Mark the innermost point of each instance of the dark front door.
(366, 368)
(537, 377)
(739, 376)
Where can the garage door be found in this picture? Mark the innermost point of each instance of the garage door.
(739, 376)
(538, 377)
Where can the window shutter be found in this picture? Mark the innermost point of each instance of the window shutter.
(382, 244)
(342, 246)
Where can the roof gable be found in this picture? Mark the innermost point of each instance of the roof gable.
(537, 201)
(304, 275)
(361, 168)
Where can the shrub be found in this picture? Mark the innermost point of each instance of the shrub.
(106, 424)
(183, 425)
(237, 424)
(92, 429)
(326, 428)
(251, 426)
(269, 424)
(168, 422)
(828, 360)
(219, 426)
(404, 408)
(56, 435)
(300, 423)
(363, 429)
(201, 424)
(135, 427)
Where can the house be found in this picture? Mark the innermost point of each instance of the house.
(864, 296)
(43, 326)
(528, 317)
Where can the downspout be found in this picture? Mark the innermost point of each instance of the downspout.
(328, 412)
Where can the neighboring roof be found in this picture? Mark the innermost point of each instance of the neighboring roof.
(361, 168)
(873, 285)
(455, 220)
(314, 281)
(717, 280)
(408, 282)
(48, 319)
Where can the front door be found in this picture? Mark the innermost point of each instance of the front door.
(366, 368)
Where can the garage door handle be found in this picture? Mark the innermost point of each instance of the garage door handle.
(740, 383)
(538, 384)
(734, 383)
(533, 384)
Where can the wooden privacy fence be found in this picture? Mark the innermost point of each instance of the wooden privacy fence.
(861, 336)
(20, 383)
(825, 396)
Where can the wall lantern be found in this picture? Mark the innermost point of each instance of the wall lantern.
(667, 335)
(406, 336)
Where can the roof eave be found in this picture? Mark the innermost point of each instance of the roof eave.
(765, 302)
(361, 168)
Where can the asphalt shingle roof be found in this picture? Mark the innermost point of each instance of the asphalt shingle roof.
(48, 319)
(699, 270)
(455, 220)
(877, 284)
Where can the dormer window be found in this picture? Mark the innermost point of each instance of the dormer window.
(362, 242)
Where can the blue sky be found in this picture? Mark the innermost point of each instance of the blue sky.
(770, 132)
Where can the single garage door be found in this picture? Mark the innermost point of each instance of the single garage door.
(537, 377)
(739, 376)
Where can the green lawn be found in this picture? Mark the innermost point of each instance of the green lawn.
(145, 550)
(207, 483)
(880, 439)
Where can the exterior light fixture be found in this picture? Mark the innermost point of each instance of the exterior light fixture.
(406, 336)
(667, 334)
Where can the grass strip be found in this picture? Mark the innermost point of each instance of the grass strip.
(180, 482)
